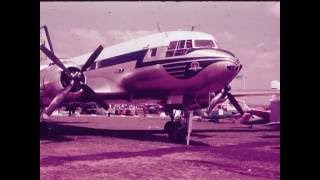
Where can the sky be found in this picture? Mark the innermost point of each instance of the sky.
(251, 30)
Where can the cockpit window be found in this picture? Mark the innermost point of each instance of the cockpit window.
(181, 44)
(169, 53)
(178, 48)
(180, 52)
(204, 43)
(173, 45)
(189, 44)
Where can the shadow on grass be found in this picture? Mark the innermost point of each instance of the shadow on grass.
(54, 131)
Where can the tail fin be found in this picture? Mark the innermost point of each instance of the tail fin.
(45, 40)
(275, 84)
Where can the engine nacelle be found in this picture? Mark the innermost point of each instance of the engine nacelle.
(51, 82)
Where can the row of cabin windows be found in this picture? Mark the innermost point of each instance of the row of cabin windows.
(178, 48)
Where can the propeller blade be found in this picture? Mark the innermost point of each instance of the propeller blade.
(94, 97)
(92, 58)
(56, 102)
(214, 101)
(235, 103)
(54, 58)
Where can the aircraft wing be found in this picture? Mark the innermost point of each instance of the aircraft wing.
(242, 93)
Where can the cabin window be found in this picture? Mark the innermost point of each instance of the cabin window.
(153, 52)
(204, 43)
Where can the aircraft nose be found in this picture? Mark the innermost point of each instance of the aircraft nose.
(224, 55)
(234, 65)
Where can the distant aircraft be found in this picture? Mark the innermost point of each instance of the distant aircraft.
(175, 69)
(269, 117)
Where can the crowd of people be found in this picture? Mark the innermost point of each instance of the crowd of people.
(114, 109)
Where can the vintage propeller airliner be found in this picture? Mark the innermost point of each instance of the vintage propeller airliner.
(176, 69)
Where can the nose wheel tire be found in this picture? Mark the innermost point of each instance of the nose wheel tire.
(177, 133)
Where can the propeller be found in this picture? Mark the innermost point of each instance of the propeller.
(73, 80)
(91, 59)
(235, 103)
(222, 94)
(56, 102)
(214, 101)
(54, 59)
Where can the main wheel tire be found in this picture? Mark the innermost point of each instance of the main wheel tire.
(171, 126)
(176, 132)
(168, 127)
(180, 135)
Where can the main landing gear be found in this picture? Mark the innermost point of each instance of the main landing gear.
(179, 129)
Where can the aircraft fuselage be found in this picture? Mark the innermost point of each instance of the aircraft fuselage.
(131, 74)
